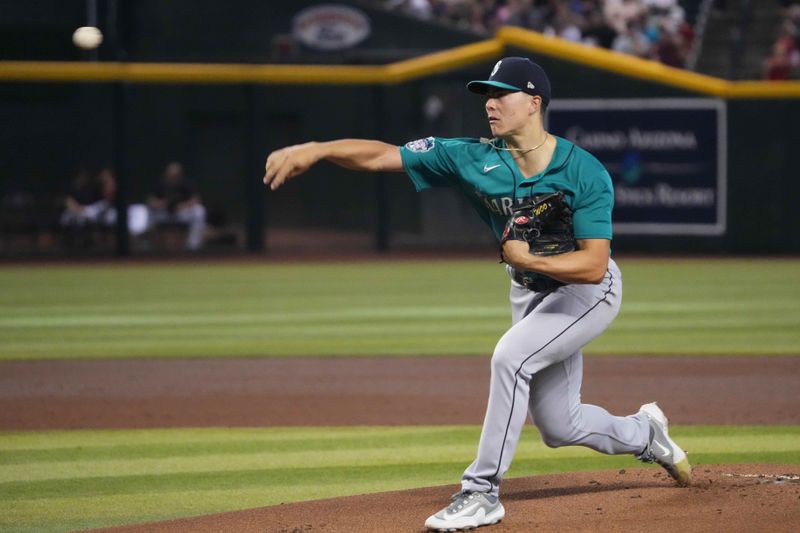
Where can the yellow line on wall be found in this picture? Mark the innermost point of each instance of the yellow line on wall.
(439, 62)
(399, 72)
(66, 71)
(764, 89)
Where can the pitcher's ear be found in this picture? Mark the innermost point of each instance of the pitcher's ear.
(536, 104)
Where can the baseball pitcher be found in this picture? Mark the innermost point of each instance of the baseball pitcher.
(549, 203)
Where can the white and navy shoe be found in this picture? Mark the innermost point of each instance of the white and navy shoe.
(467, 511)
(662, 449)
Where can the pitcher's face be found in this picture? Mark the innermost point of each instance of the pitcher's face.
(509, 111)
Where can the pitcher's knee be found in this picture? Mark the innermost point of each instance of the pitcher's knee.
(554, 441)
(556, 435)
(504, 359)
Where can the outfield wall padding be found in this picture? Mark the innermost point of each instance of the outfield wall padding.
(53, 125)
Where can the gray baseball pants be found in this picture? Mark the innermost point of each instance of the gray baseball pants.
(537, 367)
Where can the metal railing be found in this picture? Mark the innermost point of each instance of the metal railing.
(703, 14)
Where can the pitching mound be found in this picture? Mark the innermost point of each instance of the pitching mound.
(723, 498)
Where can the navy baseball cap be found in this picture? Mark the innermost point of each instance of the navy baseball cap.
(516, 74)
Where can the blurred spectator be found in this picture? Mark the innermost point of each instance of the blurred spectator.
(632, 41)
(90, 204)
(137, 213)
(564, 24)
(84, 203)
(664, 5)
(176, 201)
(478, 18)
(670, 48)
(660, 29)
(792, 26)
(784, 60)
(620, 13)
(420, 8)
(597, 32)
(778, 66)
(533, 15)
(686, 31)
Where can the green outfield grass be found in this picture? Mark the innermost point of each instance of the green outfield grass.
(66, 480)
(405, 308)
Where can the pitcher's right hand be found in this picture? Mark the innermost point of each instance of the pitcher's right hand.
(289, 162)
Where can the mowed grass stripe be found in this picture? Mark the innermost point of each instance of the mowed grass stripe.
(243, 346)
(417, 445)
(101, 463)
(57, 514)
(275, 478)
(376, 319)
(376, 314)
(366, 327)
(667, 342)
(77, 444)
(61, 516)
(363, 308)
(101, 478)
(92, 316)
(268, 478)
(101, 438)
(720, 325)
(256, 443)
(19, 319)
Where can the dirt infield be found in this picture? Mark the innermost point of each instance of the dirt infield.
(142, 393)
(724, 498)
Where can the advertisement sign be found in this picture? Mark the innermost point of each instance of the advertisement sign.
(666, 158)
(330, 27)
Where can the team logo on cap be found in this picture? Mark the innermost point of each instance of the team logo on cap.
(496, 68)
(531, 85)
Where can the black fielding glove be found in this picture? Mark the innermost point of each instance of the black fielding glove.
(544, 222)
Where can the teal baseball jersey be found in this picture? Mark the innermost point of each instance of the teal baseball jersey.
(493, 182)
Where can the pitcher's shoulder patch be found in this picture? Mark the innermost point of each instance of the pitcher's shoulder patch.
(421, 145)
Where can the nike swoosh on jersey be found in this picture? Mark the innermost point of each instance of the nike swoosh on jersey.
(487, 168)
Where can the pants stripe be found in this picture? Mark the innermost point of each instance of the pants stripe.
(516, 374)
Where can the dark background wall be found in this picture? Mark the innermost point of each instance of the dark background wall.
(47, 131)
(238, 31)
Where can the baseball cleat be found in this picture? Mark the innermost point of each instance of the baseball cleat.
(468, 510)
(662, 450)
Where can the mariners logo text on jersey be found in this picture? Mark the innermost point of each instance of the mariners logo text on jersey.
(494, 184)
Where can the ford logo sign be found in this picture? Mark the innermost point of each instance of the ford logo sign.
(330, 27)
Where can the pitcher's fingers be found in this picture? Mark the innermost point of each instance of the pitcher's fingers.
(267, 166)
(274, 162)
(268, 175)
(281, 175)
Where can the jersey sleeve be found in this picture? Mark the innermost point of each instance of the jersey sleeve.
(428, 163)
(591, 216)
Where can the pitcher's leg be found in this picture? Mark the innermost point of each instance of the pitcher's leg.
(484, 476)
(556, 408)
(555, 329)
(505, 416)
